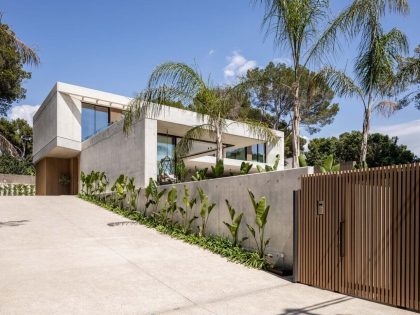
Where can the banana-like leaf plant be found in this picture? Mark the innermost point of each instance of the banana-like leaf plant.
(200, 174)
(132, 194)
(245, 168)
(233, 227)
(329, 166)
(187, 212)
(261, 212)
(302, 161)
(118, 190)
(205, 210)
(153, 195)
(219, 169)
(269, 168)
(171, 203)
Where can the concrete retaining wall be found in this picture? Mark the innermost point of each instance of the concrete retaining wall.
(17, 179)
(115, 153)
(276, 186)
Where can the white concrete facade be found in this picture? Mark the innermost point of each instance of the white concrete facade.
(58, 133)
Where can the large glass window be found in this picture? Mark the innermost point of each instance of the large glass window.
(94, 119)
(258, 152)
(166, 148)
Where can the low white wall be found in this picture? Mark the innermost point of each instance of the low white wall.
(276, 186)
(17, 179)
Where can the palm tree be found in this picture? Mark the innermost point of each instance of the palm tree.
(178, 82)
(376, 59)
(28, 55)
(294, 24)
(373, 69)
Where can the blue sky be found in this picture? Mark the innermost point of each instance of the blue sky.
(114, 45)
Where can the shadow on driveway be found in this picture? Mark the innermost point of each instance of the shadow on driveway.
(309, 309)
(13, 223)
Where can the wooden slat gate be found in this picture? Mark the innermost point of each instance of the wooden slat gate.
(358, 233)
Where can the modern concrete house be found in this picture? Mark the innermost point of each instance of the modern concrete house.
(80, 129)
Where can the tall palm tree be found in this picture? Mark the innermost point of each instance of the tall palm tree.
(29, 56)
(294, 24)
(376, 59)
(178, 82)
(373, 69)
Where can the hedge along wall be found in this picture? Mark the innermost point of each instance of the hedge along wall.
(276, 186)
(17, 190)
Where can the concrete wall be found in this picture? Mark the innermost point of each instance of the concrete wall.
(17, 179)
(45, 126)
(276, 186)
(115, 153)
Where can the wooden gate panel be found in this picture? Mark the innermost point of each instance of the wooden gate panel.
(358, 233)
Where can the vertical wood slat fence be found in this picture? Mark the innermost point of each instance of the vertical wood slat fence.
(358, 233)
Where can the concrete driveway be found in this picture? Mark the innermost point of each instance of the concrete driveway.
(61, 255)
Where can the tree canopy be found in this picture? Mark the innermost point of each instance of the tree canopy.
(19, 134)
(270, 91)
(14, 53)
(382, 150)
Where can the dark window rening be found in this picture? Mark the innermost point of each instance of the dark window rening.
(94, 119)
(255, 153)
(237, 154)
(258, 152)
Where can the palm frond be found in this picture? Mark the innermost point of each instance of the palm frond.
(185, 144)
(169, 81)
(387, 107)
(29, 56)
(360, 17)
(339, 82)
(375, 65)
(260, 130)
(348, 23)
(294, 23)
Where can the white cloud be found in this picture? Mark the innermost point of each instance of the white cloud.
(24, 112)
(211, 52)
(238, 65)
(284, 60)
(408, 133)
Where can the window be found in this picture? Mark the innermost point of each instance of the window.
(237, 154)
(258, 152)
(94, 119)
(166, 147)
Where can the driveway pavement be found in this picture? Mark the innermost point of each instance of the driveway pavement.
(62, 255)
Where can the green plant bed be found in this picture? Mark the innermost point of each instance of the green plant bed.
(216, 244)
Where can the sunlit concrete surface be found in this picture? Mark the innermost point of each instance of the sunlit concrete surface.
(62, 255)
